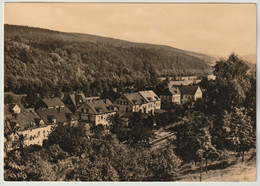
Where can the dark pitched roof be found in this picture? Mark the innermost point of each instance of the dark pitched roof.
(26, 119)
(70, 96)
(101, 106)
(52, 102)
(135, 98)
(175, 91)
(62, 114)
(80, 95)
(191, 90)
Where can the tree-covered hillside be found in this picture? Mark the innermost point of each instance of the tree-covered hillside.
(40, 60)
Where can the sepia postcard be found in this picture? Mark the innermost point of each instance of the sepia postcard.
(129, 92)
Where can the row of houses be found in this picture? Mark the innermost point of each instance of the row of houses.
(35, 124)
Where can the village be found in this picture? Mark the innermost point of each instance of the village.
(135, 92)
(35, 124)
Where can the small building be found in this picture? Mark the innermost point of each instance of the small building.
(54, 116)
(154, 102)
(75, 100)
(142, 101)
(96, 111)
(190, 94)
(170, 95)
(27, 123)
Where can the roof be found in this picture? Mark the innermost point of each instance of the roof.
(191, 90)
(92, 98)
(80, 95)
(101, 106)
(72, 97)
(8, 108)
(135, 98)
(52, 102)
(62, 114)
(26, 118)
(171, 91)
(149, 95)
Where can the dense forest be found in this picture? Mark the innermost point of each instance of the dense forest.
(50, 62)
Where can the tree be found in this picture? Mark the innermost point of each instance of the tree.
(193, 139)
(31, 99)
(71, 139)
(140, 130)
(164, 164)
(240, 133)
(232, 82)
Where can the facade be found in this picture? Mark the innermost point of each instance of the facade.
(27, 123)
(96, 111)
(142, 101)
(171, 95)
(190, 93)
(154, 102)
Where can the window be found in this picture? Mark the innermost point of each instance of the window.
(39, 133)
(101, 117)
(118, 102)
(25, 136)
(82, 110)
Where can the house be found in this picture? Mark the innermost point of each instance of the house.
(49, 103)
(190, 93)
(130, 102)
(35, 125)
(154, 102)
(142, 101)
(26, 122)
(96, 111)
(170, 95)
(53, 111)
(73, 101)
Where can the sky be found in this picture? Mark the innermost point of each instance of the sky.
(214, 29)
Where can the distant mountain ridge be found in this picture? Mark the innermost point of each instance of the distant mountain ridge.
(35, 58)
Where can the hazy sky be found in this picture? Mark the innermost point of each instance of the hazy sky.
(217, 29)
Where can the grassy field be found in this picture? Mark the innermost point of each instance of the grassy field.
(234, 171)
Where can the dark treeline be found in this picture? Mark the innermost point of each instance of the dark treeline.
(49, 62)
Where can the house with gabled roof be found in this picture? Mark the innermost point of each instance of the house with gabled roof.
(190, 93)
(153, 101)
(96, 111)
(142, 101)
(170, 95)
(25, 122)
(54, 116)
(74, 100)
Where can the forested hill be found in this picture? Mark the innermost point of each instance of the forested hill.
(42, 60)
